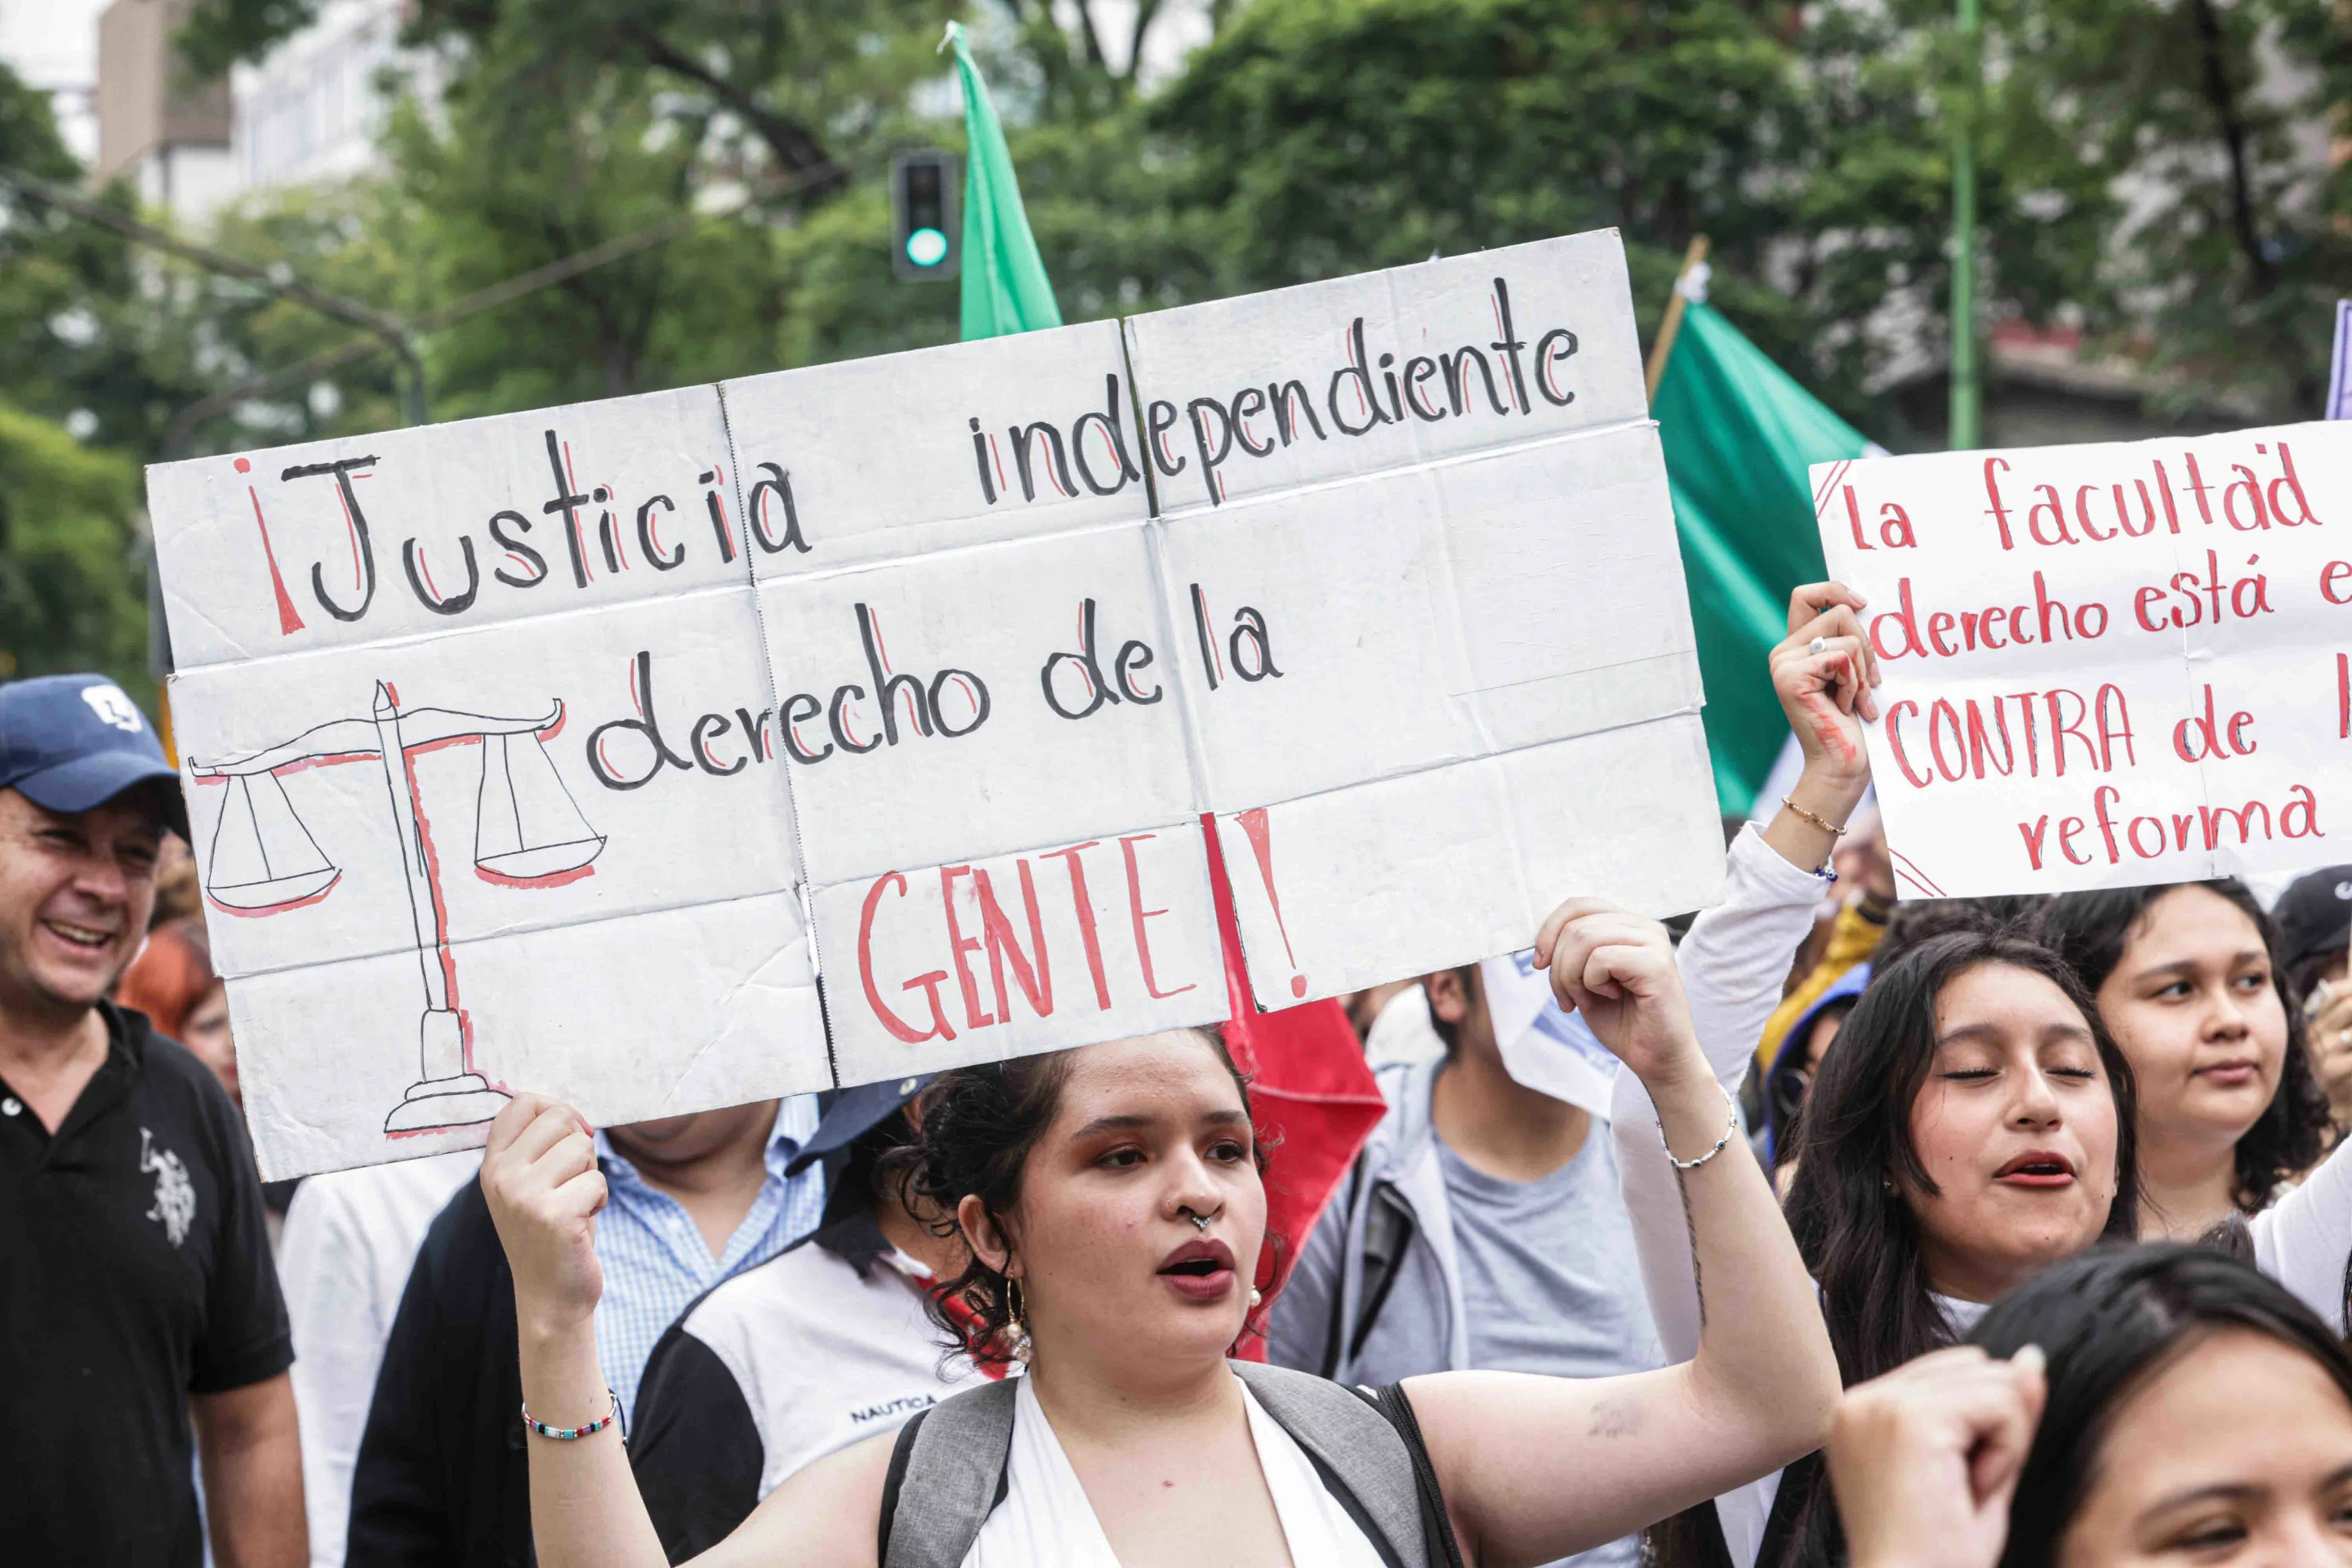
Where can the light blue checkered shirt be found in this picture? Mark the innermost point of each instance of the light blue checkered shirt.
(656, 1262)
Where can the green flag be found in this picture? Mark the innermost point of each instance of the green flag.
(1740, 435)
(1004, 285)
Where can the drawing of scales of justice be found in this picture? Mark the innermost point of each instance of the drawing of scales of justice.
(529, 833)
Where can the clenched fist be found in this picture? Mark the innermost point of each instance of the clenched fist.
(1618, 970)
(540, 1176)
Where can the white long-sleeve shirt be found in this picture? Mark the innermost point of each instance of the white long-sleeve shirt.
(351, 1239)
(1734, 963)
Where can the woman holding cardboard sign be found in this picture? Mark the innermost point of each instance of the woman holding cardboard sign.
(1112, 1200)
(1974, 1122)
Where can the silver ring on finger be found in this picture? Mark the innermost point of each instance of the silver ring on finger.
(1818, 645)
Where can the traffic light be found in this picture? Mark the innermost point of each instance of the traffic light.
(924, 237)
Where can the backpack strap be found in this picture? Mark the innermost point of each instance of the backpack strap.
(1335, 1332)
(1436, 1523)
(1370, 1461)
(1389, 1230)
(947, 1475)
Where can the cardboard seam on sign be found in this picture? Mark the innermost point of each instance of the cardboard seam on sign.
(1678, 655)
(185, 612)
(408, 948)
(1189, 825)
(1422, 464)
(792, 802)
(1155, 555)
(1450, 616)
(949, 551)
(1686, 711)
(401, 642)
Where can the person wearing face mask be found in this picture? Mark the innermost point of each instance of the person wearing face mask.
(2141, 1404)
(2187, 979)
(1113, 1204)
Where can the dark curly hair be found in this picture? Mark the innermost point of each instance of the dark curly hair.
(2091, 929)
(980, 1124)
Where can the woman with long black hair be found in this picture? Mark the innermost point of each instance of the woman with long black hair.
(2134, 1404)
(2189, 980)
(1971, 1126)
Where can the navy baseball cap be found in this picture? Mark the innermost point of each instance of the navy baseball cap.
(853, 1113)
(70, 742)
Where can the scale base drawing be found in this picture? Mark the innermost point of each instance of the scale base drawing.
(528, 833)
(435, 1104)
(450, 1093)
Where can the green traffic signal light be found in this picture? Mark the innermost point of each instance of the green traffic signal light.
(926, 247)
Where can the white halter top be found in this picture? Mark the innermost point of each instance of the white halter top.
(1046, 1521)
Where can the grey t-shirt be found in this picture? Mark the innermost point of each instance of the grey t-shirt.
(1550, 1282)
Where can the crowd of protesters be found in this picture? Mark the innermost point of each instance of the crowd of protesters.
(2052, 1189)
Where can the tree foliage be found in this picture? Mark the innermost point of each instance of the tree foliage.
(2156, 170)
(71, 593)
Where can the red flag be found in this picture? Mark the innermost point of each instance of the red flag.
(1314, 1095)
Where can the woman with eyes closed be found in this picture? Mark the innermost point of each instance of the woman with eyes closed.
(1112, 1203)
(1971, 1127)
(2187, 979)
(2147, 1405)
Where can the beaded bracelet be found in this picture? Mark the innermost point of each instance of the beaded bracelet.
(1731, 1129)
(567, 1434)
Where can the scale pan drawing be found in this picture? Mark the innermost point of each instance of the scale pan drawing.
(529, 833)
(263, 858)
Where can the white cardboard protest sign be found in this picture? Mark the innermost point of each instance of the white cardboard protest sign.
(2105, 665)
(566, 751)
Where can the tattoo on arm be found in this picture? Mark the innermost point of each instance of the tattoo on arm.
(1690, 1228)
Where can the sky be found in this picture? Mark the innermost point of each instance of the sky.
(54, 44)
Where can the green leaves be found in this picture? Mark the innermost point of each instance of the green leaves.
(72, 593)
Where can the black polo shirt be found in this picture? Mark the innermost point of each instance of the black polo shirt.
(134, 1271)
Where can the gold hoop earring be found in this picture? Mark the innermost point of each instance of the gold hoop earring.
(1015, 1330)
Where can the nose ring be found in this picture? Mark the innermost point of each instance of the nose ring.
(1200, 1222)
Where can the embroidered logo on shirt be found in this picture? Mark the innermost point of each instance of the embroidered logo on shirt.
(176, 1195)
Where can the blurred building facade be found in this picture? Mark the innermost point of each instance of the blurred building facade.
(171, 135)
(311, 112)
(314, 108)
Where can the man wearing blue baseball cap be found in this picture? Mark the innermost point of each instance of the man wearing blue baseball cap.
(137, 1290)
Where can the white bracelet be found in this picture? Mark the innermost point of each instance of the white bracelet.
(1730, 1129)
